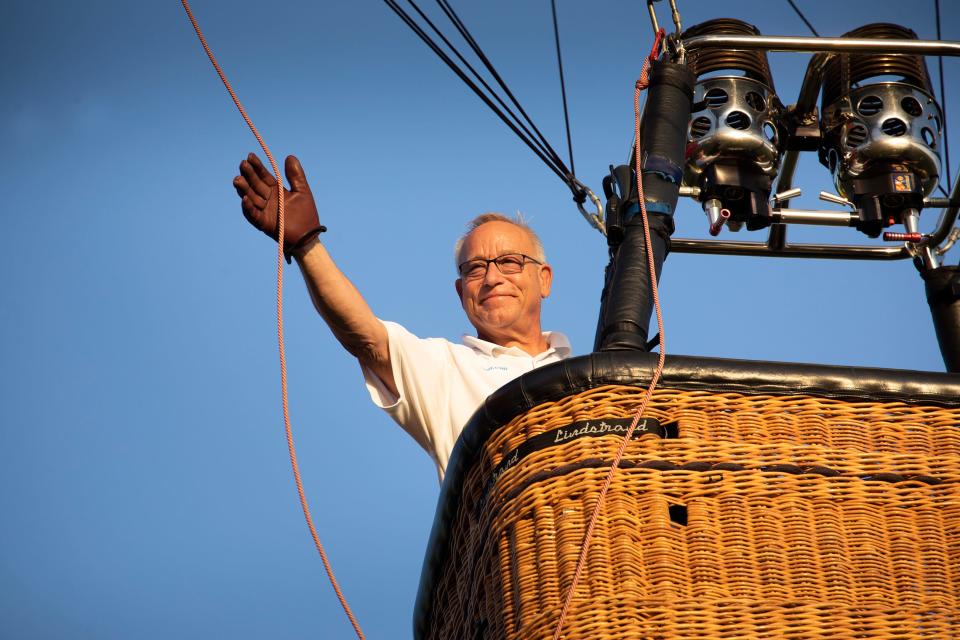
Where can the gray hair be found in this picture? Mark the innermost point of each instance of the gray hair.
(517, 221)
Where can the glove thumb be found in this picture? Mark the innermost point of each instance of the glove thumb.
(295, 175)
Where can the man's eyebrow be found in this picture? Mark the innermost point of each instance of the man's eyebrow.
(510, 252)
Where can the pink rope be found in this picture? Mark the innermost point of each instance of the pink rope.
(283, 359)
(588, 536)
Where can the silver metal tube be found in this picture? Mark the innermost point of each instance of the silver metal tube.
(805, 110)
(822, 218)
(911, 220)
(787, 167)
(929, 258)
(817, 45)
(716, 215)
(653, 17)
(759, 249)
(777, 238)
(675, 14)
(829, 197)
(951, 240)
(782, 197)
(948, 217)
(810, 89)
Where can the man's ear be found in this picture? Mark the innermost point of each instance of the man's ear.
(546, 280)
(458, 285)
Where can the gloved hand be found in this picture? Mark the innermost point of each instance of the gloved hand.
(258, 189)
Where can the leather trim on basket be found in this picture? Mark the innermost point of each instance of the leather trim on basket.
(633, 368)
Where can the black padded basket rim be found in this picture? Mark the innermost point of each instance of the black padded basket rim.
(633, 368)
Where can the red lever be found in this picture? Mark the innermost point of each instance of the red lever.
(905, 237)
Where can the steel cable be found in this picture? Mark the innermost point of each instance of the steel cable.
(563, 86)
(528, 133)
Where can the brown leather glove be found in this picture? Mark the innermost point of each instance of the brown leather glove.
(258, 189)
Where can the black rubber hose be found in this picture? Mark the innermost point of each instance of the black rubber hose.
(627, 300)
(943, 296)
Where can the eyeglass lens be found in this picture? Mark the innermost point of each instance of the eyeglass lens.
(509, 264)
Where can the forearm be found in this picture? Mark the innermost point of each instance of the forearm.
(345, 311)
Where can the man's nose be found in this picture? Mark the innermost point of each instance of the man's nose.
(493, 276)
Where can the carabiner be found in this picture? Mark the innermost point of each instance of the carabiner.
(594, 219)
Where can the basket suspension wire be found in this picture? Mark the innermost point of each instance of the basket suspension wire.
(641, 84)
(468, 37)
(803, 17)
(545, 153)
(563, 87)
(537, 143)
(522, 125)
(283, 365)
(580, 191)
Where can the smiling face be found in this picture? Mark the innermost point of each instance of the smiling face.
(504, 309)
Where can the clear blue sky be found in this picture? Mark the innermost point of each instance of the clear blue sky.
(145, 490)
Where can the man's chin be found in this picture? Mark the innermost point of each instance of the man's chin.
(494, 320)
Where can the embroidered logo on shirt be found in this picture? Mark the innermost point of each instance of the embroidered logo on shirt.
(496, 367)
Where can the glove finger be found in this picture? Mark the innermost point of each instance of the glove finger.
(256, 200)
(261, 171)
(250, 212)
(295, 175)
(241, 185)
(257, 183)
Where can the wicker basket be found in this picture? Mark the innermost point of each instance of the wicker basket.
(739, 513)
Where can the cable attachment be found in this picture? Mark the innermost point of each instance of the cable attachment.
(580, 194)
(674, 45)
(653, 17)
(675, 15)
(672, 42)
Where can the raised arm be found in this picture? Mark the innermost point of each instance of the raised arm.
(334, 296)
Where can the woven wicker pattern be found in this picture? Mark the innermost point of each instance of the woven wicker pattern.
(768, 517)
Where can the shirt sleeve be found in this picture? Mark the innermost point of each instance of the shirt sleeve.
(420, 370)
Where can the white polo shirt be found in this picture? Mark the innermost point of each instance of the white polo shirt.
(441, 384)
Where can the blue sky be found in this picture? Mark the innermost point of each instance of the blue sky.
(144, 481)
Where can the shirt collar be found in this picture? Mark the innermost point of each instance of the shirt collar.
(556, 341)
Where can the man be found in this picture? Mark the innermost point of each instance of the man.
(430, 387)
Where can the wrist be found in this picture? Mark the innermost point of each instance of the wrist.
(307, 242)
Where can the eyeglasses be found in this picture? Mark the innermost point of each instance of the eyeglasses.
(509, 264)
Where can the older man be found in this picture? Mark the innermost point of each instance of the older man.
(430, 386)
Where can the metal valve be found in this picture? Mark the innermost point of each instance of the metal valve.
(716, 215)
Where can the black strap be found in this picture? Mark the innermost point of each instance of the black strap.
(302, 242)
